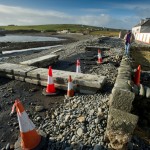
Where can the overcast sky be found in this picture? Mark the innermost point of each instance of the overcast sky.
(102, 13)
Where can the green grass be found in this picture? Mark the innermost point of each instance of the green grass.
(51, 27)
(71, 27)
(105, 33)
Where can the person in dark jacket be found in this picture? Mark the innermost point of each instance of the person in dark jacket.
(128, 39)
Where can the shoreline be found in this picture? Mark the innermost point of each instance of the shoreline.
(5, 46)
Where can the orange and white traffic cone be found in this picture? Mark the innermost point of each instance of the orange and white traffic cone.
(30, 139)
(50, 89)
(70, 91)
(78, 68)
(99, 57)
(137, 76)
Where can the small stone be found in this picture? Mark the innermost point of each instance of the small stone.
(91, 113)
(62, 125)
(7, 146)
(73, 138)
(147, 92)
(67, 117)
(80, 132)
(96, 120)
(38, 118)
(39, 108)
(81, 119)
(142, 91)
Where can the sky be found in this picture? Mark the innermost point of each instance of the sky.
(120, 14)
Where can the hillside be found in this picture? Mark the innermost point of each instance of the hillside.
(59, 27)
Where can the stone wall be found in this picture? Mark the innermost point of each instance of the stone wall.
(121, 123)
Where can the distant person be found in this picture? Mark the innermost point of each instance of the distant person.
(128, 40)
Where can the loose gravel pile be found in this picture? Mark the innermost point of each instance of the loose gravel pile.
(79, 123)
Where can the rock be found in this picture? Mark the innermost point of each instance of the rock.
(67, 117)
(7, 146)
(80, 132)
(97, 120)
(62, 125)
(38, 118)
(81, 119)
(147, 92)
(39, 108)
(91, 113)
(142, 90)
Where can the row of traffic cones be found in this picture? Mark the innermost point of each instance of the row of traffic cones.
(50, 89)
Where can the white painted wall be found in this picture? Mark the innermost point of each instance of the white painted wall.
(143, 37)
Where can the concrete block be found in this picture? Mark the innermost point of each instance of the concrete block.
(15, 69)
(124, 76)
(122, 99)
(61, 77)
(87, 90)
(44, 83)
(41, 61)
(124, 70)
(122, 84)
(120, 127)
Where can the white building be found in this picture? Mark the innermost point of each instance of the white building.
(142, 31)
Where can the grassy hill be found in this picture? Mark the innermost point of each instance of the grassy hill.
(59, 27)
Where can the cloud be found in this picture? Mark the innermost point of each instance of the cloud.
(21, 16)
(94, 10)
(26, 16)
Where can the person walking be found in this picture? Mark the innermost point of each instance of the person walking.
(128, 39)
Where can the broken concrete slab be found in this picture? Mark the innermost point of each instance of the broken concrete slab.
(41, 61)
(39, 75)
(16, 69)
(120, 127)
(44, 83)
(61, 77)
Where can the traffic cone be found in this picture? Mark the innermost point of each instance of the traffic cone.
(30, 139)
(70, 91)
(99, 57)
(50, 89)
(137, 76)
(78, 68)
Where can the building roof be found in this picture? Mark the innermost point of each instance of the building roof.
(144, 23)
